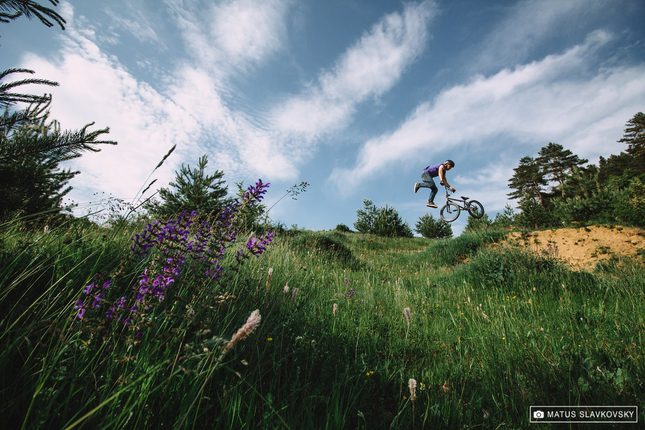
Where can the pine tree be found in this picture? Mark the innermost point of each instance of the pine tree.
(527, 181)
(194, 190)
(13, 9)
(634, 136)
(555, 162)
(432, 228)
(31, 148)
(366, 217)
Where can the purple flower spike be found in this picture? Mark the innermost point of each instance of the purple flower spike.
(89, 288)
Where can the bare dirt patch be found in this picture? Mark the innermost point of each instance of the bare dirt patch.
(582, 247)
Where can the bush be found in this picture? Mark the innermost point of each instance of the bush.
(534, 215)
(475, 224)
(384, 221)
(454, 251)
(343, 228)
(431, 228)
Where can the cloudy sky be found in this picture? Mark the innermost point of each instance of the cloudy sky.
(354, 97)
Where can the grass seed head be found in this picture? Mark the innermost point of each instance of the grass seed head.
(412, 384)
(408, 317)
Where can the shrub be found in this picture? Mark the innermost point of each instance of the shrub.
(475, 224)
(432, 228)
(343, 228)
(384, 221)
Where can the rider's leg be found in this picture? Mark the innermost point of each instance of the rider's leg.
(433, 193)
(428, 182)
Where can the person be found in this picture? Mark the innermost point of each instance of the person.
(432, 172)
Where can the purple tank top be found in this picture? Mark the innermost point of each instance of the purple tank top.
(433, 171)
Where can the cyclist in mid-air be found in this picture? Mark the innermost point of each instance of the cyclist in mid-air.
(432, 172)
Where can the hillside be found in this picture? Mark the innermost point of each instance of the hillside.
(583, 247)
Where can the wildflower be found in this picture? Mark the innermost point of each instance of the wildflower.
(174, 240)
(412, 384)
(286, 288)
(89, 288)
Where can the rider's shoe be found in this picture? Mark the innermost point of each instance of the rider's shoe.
(431, 205)
(416, 187)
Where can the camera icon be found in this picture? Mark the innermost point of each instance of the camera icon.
(538, 414)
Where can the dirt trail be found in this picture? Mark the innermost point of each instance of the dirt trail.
(583, 247)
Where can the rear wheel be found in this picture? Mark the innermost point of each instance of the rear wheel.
(475, 209)
(449, 212)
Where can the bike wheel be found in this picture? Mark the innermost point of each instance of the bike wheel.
(475, 209)
(449, 212)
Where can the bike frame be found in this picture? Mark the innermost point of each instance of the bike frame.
(459, 202)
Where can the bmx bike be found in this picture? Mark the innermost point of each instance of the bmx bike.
(453, 207)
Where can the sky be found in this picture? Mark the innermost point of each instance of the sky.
(354, 97)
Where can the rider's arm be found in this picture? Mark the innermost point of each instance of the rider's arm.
(442, 176)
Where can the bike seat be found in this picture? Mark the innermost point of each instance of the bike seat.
(465, 198)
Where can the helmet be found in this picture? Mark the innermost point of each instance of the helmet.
(452, 163)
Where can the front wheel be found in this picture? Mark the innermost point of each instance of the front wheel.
(475, 209)
(449, 212)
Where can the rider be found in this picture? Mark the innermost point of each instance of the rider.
(432, 172)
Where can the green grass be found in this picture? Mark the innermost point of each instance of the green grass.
(493, 331)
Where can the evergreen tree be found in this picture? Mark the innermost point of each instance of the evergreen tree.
(582, 181)
(31, 149)
(388, 223)
(473, 224)
(194, 190)
(555, 162)
(8, 98)
(366, 217)
(13, 9)
(528, 181)
(505, 218)
(432, 228)
(616, 165)
(634, 137)
(384, 221)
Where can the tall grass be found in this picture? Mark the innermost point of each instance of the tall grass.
(492, 331)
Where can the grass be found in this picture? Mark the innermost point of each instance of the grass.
(493, 330)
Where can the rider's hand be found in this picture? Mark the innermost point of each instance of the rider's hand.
(453, 190)
(441, 182)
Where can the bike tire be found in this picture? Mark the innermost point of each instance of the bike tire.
(475, 209)
(451, 211)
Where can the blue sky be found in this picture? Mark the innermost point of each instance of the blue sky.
(354, 97)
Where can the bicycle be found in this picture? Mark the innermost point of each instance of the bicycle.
(453, 207)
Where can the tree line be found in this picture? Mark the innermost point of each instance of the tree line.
(558, 187)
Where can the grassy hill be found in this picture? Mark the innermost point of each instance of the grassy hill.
(344, 322)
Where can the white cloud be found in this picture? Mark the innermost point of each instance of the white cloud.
(529, 23)
(139, 28)
(539, 102)
(233, 35)
(370, 67)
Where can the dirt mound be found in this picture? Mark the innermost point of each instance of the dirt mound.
(583, 247)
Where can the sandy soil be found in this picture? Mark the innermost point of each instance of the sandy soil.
(583, 247)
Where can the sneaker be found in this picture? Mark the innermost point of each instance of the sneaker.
(431, 205)
(416, 187)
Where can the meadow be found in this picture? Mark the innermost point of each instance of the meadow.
(322, 330)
